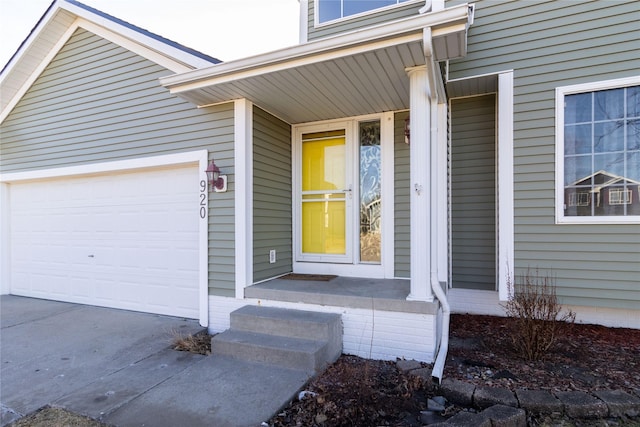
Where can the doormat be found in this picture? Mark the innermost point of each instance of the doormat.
(311, 277)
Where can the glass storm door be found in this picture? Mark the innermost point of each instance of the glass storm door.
(325, 197)
(338, 187)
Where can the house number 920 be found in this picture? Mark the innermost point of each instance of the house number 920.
(203, 199)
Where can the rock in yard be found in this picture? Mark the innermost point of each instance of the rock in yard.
(578, 404)
(435, 406)
(458, 392)
(408, 365)
(619, 403)
(539, 401)
(505, 416)
(485, 397)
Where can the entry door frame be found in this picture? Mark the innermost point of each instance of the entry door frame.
(352, 268)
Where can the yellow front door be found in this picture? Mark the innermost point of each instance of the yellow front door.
(325, 188)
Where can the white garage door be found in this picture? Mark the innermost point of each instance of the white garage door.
(125, 240)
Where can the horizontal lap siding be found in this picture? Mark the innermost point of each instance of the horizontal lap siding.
(473, 198)
(551, 44)
(272, 217)
(351, 24)
(402, 209)
(98, 102)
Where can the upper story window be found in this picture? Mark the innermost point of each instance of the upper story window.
(598, 151)
(330, 10)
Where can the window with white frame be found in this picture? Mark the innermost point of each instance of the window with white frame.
(598, 149)
(579, 199)
(330, 10)
(619, 196)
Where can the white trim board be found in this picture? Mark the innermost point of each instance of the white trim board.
(243, 152)
(505, 190)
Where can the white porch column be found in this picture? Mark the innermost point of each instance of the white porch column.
(243, 125)
(420, 172)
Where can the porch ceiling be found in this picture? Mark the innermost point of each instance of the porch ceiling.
(354, 74)
(365, 83)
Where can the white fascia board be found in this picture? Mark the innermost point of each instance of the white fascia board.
(105, 167)
(35, 73)
(49, 15)
(134, 46)
(384, 35)
(162, 54)
(181, 59)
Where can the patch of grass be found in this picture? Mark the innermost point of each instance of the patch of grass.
(49, 416)
(199, 343)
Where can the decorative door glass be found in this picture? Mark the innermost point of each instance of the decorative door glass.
(370, 192)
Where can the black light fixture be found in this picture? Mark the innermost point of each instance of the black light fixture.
(218, 182)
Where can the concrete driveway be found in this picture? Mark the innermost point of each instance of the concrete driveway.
(117, 366)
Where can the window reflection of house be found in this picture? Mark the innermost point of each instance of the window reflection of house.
(602, 193)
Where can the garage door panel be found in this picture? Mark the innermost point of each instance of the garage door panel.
(127, 241)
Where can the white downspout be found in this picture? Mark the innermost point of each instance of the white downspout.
(441, 358)
(436, 201)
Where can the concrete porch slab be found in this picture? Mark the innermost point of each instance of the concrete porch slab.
(354, 292)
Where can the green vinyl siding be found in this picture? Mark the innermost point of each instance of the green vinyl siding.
(349, 24)
(551, 44)
(473, 193)
(97, 102)
(402, 209)
(272, 215)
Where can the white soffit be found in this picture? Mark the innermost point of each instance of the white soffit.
(472, 86)
(357, 73)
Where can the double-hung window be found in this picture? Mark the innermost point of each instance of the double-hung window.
(331, 10)
(598, 152)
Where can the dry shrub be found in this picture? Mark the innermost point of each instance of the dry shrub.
(199, 343)
(538, 316)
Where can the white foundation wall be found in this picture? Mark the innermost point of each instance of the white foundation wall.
(372, 334)
(474, 302)
(612, 317)
(487, 302)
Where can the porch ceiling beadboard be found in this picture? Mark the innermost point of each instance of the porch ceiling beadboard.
(357, 73)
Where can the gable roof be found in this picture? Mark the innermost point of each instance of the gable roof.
(60, 21)
(602, 179)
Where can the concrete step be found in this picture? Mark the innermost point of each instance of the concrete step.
(297, 339)
(309, 325)
(296, 353)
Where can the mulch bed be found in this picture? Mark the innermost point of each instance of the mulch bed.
(584, 358)
(359, 392)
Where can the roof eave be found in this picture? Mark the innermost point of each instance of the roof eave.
(449, 28)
